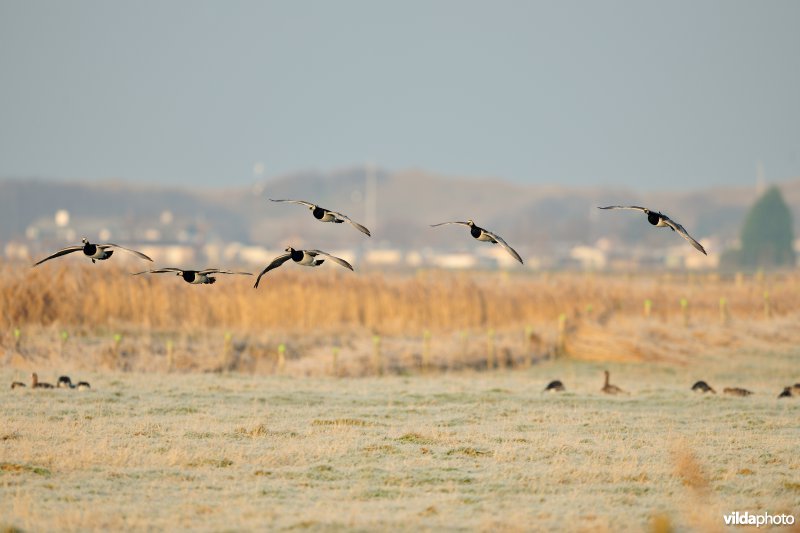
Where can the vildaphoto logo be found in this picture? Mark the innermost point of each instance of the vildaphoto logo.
(764, 519)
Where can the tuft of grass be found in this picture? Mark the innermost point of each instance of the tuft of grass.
(342, 422)
(19, 468)
(468, 451)
(416, 438)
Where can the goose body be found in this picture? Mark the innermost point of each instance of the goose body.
(36, 384)
(702, 386)
(95, 252)
(555, 386)
(326, 215)
(786, 393)
(83, 385)
(608, 388)
(194, 277)
(737, 391)
(484, 235)
(661, 220)
(17, 385)
(65, 382)
(302, 257)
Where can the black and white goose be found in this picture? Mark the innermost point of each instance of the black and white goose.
(66, 382)
(95, 252)
(555, 386)
(702, 386)
(195, 277)
(485, 235)
(302, 257)
(661, 220)
(326, 215)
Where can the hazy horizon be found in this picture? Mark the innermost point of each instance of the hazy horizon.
(627, 94)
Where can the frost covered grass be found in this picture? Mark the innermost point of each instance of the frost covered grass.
(462, 450)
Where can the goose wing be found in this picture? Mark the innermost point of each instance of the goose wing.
(337, 260)
(218, 271)
(111, 244)
(158, 271)
(683, 233)
(356, 225)
(445, 223)
(278, 261)
(636, 207)
(64, 251)
(301, 202)
(504, 244)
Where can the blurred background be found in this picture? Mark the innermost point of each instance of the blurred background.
(167, 126)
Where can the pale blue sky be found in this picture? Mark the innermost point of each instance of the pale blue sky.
(648, 94)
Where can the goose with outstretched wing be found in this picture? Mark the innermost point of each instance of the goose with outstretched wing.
(661, 220)
(302, 257)
(326, 215)
(195, 277)
(95, 252)
(485, 235)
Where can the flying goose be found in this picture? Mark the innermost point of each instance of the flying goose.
(661, 220)
(608, 388)
(36, 384)
(736, 391)
(326, 215)
(555, 386)
(484, 235)
(702, 386)
(786, 393)
(195, 277)
(302, 257)
(95, 252)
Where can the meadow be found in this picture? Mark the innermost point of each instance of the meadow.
(328, 402)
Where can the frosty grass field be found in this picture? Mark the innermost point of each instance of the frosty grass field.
(462, 450)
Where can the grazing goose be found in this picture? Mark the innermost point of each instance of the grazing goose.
(95, 252)
(796, 389)
(786, 393)
(301, 257)
(65, 382)
(608, 388)
(702, 386)
(484, 235)
(555, 386)
(661, 220)
(326, 215)
(736, 391)
(83, 385)
(17, 384)
(36, 384)
(195, 277)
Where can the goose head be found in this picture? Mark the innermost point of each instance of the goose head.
(470, 222)
(84, 240)
(289, 249)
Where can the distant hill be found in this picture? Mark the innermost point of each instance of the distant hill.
(533, 217)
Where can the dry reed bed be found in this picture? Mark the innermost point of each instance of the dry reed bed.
(95, 297)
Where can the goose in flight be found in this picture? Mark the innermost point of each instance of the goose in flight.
(484, 235)
(195, 277)
(326, 215)
(95, 252)
(661, 220)
(302, 257)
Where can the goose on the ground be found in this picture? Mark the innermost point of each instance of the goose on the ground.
(36, 384)
(326, 215)
(702, 386)
(83, 385)
(661, 220)
(737, 391)
(796, 389)
(608, 388)
(65, 382)
(17, 384)
(95, 252)
(555, 386)
(302, 257)
(485, 235)
(786, 393)
(195, 277)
